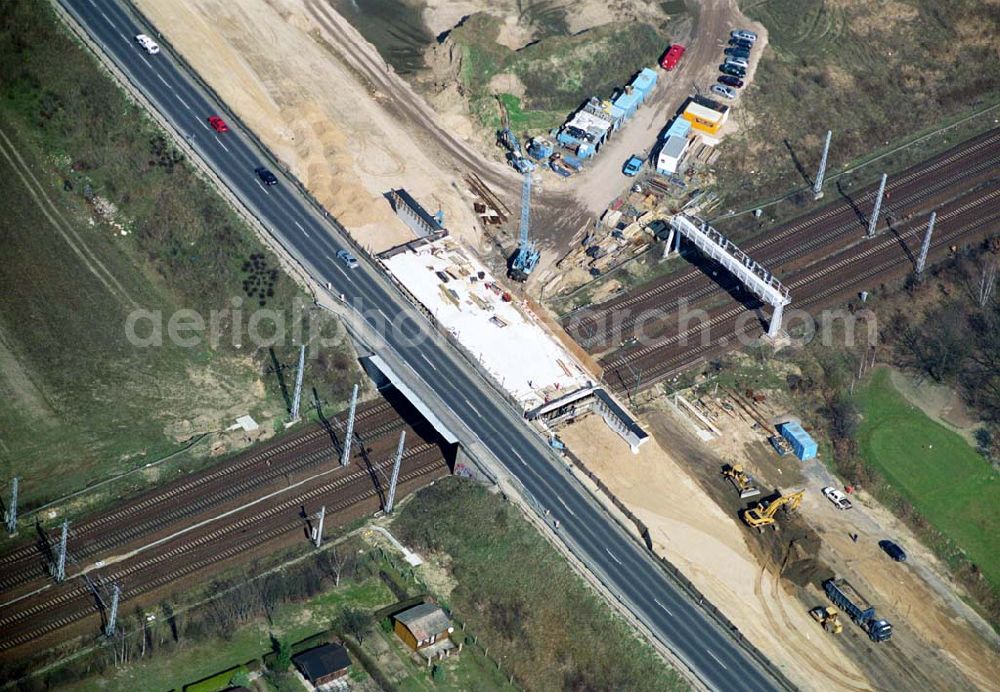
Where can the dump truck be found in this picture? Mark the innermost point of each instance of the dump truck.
(844, 595)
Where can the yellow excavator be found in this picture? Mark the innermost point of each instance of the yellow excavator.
(741, 480)
(828, 618)
(763, 514)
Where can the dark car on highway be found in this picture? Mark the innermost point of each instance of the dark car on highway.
(729, 80)
(892, 550)
(266, 176)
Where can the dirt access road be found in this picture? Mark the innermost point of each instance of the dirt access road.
(696, 72)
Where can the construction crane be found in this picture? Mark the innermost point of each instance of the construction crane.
(828, 618)
(526, 257)
(763, 514)
(741, 480)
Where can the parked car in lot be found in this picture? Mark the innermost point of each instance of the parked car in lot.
(735, 52)
(347, 258)
(632, 166)
(733, 70)
(147, 44)
(892, 550)
(724, 91)
(266, 176)
(743, 35)
(740, 43)
(838, 498)
(218, 124)
(729, 80)
(739, 62)
(672, 57)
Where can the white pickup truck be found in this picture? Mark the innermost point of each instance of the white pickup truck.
(838, 498)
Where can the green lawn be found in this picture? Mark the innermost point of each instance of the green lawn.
(951, 485)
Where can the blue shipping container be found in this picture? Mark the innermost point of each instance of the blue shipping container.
(644, 82)
(679, 127)
(629, 103)
(802, 443)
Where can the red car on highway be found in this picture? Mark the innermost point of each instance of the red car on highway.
(672, 56)
(218, 124)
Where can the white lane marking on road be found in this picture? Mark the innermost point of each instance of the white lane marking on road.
(262, 187)
(184, 102)
(107, 18)
(665, 608)
(221, 144)
(165, 82)
(519, 457)
(428, 361)
(146, 61)
(716, 659)
(563, 503)
(476, 410)
(613, 557)
(205, 126)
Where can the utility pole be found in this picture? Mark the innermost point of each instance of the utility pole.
(297, 399)
(391, 499)
(925, 248)
(821, 173)
(10, 516)
(109, 629)
(318, 531)
(345, 458)
(59, 568)
(873, 221)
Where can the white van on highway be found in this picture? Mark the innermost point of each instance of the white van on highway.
(147, 44)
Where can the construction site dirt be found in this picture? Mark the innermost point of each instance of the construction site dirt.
(177, 535)
(766, 582)
(347, 125)
(822, 259)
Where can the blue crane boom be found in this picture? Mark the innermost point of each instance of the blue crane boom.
(526, 258)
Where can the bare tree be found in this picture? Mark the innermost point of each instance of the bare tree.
(987, 283)
(336, 562)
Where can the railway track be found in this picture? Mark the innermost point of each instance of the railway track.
(815, 286)
(30, 619)
(912, 192)
(161, 507)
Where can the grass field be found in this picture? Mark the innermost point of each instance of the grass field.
(103, 216)
(951, 485)
(519, 594)
(558, 72)
(873, 73)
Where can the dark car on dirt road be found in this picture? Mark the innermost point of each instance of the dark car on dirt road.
(892, 550)
(729, 80)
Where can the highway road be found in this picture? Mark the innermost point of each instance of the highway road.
(608, 551)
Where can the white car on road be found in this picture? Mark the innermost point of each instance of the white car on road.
(147, 44)
(838, 498)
